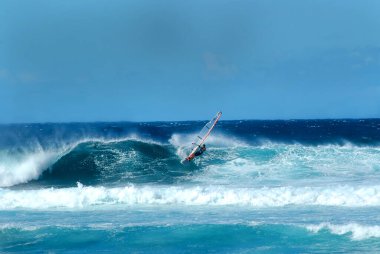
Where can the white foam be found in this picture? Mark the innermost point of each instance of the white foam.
(357, 231)
(18, 227)
(83, 196)
(214, 140)
(130, 137)
(235, 171)
(183, 142)
(21, 168)
(291, 164)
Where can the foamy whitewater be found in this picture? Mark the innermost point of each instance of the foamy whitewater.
(302, 186)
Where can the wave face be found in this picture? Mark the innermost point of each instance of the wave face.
(306, 181)
(116, 162)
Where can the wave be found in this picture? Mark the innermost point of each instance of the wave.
(227, 161)
(100, 160)
(355, 230)
(89, 196)
(189, 238)
(295, 164)
(94, 161)
(129, 161)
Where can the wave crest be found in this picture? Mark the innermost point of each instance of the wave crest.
(25, 166)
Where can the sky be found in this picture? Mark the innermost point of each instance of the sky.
(139, 60)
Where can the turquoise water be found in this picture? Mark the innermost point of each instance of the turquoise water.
(283, 230)
(120, 188)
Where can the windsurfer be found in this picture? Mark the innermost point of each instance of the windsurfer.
(200, 150)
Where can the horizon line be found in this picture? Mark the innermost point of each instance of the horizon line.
(161, 121)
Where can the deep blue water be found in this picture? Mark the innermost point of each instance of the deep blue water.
(297, 186)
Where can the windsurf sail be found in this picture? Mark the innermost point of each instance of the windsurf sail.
(203, 135)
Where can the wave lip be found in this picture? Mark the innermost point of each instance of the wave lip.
(88, 196)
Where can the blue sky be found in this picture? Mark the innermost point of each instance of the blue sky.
(81, 60)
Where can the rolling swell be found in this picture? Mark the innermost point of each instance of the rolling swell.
(116, 162)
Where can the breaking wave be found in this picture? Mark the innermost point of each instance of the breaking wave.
(356, 231)
(92, 161)
(228, 161)
(89, 196)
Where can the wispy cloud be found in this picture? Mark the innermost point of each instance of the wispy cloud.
(27, 76)
(3, 73)
(216, 65)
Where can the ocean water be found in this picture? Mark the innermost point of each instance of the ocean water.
(299, 186)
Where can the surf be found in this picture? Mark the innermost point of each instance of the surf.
(91, 197)
(228, 161)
